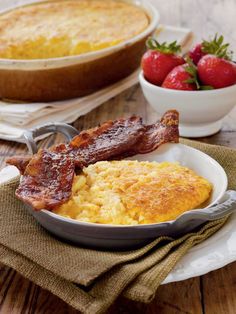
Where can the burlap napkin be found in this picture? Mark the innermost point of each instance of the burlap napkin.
(90, 280)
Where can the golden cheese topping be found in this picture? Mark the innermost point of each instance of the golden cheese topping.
(68, 27)
(130, 192)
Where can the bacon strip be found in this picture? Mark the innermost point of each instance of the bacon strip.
(20, 162)
(111, 139)
(47, 181)
(100, 143)
(48, 177)
(164, 131)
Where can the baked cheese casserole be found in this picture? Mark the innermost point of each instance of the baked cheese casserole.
(68, 27)
(131, 192)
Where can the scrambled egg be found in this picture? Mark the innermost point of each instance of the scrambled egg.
(67, 27)
(131, 192)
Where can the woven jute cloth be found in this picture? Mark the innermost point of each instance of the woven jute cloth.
(90, 280)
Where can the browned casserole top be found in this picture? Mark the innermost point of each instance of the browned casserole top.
(68, 27)
(130, 192)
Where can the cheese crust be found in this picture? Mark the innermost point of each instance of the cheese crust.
(68, 27)
(131, 192)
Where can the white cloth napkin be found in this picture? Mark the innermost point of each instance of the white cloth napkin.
(29, 115)
(15, 118)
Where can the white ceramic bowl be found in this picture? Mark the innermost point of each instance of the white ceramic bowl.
(201, 112)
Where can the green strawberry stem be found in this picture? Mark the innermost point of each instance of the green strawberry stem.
(192, 70)
(164, 47)
(217, 47)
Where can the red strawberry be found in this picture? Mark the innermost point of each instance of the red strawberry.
(214, 46)
(216, 72)
(159, 60)
(196, 53)
(182, 77)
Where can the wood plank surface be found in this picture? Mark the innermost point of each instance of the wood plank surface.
(214, 293)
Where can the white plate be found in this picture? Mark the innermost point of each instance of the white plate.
(214, 253)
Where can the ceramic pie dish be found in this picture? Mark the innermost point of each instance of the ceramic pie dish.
(77, 75)
(105, 236)
(214, 253)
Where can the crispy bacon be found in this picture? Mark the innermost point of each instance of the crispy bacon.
(164, 131)
(20, 162)
(48, 176)
(111, 139)
(47, 180)
(100, 143)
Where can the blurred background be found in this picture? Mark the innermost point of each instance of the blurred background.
(201, 16)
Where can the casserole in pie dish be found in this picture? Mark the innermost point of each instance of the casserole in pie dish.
(161, 185)
(61, 49)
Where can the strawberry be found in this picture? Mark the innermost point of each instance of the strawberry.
(182, 77)
(159, 60)
(196, 53)
(216, 71)
(214, 46)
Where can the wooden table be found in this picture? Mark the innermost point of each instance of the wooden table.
(214, 293)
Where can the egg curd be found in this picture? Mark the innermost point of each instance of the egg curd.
(68, 27)
(131, 192)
